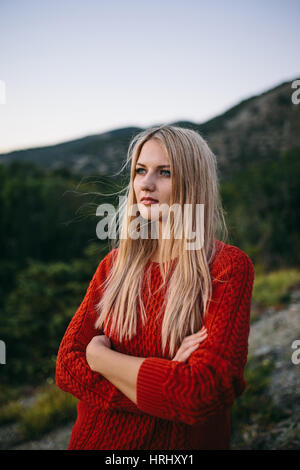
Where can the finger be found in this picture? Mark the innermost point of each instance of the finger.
(198, 338)
(203, 333)
(189, 343)
(189, 351)
(199, 333)
(193, 340)
(195, 335)
(203, 330)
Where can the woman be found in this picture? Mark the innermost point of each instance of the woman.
(157, 349)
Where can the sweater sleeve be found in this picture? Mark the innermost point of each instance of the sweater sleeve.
(73, 374)
(212, 377)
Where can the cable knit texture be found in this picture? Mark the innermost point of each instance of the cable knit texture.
(179, 405)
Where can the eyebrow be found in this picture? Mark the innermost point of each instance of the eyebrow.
(158, 166)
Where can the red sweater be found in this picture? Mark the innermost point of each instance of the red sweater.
(180, 406)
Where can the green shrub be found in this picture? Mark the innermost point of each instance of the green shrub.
(10, 412)
(274, 288)
(254, 405)
(52, 408)
(37, 312)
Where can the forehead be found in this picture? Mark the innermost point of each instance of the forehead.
(153, 153)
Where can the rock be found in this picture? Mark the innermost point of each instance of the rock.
(55, 440)
(271, 336)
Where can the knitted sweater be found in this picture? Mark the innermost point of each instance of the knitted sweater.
(180, 405)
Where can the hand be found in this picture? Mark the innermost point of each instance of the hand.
(93, 351)
(190, 344)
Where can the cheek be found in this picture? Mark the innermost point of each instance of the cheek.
(168, 190)
(135, 186)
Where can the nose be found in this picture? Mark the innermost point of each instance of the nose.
(148, 183)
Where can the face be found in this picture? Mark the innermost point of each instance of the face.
(153, 179)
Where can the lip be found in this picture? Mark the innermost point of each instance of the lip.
(149, 200)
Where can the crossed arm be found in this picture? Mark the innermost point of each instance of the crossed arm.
(91, 371)
(88, 368)
(119, 369)
(84, 380)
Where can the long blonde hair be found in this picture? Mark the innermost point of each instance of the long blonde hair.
(187, 283)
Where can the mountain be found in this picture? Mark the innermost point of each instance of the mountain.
(256, 130)
(94, 154)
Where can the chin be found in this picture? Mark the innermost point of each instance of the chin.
(154, 212)
(149, 212)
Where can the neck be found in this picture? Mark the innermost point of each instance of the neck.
(167, 247)
(155, 256)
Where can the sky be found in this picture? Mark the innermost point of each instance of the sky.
(73, 68)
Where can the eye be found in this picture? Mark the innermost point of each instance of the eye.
(168, 171)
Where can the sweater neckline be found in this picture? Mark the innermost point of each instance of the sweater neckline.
(219, 245)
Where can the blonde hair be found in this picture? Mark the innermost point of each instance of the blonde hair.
(187, 283)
